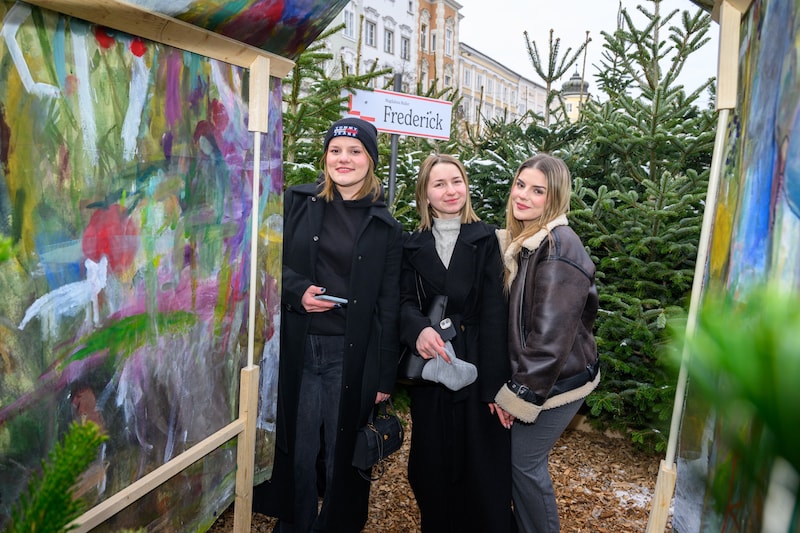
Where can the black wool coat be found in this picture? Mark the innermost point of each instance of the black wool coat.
(371, 348)
(460, 461)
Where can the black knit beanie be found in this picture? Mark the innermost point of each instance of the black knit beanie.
(358, 129)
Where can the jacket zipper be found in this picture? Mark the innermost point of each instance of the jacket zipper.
(525, 255)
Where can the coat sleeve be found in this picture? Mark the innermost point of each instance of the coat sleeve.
(389, 305)
(412, 319)
(294, 284)
(493, 362)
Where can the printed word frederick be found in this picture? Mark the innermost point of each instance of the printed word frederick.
(430, 120)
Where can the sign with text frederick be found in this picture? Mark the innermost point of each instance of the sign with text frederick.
(402, 114)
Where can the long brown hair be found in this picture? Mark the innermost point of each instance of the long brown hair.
(424, 208)
(559, 190)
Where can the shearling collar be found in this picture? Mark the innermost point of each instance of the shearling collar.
(511, 249)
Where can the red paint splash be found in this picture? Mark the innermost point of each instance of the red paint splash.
(113, 234)
(103, 38)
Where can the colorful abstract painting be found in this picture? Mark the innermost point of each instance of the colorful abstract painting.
(756, 236)
(284, 27)
(126, 179)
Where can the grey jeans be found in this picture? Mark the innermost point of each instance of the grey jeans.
(531, 485)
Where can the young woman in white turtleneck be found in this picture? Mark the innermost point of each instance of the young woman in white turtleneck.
(459, 464)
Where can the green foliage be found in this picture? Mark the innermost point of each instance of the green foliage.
(555, 69)
(743, 358)
(49, 503)
(638, 203)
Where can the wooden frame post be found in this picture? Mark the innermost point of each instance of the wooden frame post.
(258, 123)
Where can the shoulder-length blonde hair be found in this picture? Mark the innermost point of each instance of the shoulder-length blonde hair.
(371, 185)
(559, 190)
(424, 208)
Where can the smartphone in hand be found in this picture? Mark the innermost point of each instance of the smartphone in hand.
(329, 298)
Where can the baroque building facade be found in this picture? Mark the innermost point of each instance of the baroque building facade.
(420, 40)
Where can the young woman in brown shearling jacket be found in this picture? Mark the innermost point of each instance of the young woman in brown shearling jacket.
(553, 303)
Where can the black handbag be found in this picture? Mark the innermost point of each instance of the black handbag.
(382, 436)
(409, 367)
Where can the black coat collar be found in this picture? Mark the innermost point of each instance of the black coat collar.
(458, 279)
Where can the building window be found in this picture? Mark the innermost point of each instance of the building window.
(349, 24)
(480, 82)
(410, 6)
(569, 108)
(467, 78)
(433, 41)
(388, 41)
(489, 87)
(448, 42)
(405, 48)
(369, 33)
(423, 36)
(447, 80)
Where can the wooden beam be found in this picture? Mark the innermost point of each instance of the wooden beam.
(665, 486)
(258, 117)
(164, 29)
(246, 450)
(730, 21)
(119, 501)
(740, 5)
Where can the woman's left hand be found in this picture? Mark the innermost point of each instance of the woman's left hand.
(382, 397)
(506, 419)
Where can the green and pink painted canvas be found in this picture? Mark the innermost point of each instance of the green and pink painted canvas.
(126, 183)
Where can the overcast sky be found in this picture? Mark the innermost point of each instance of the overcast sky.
(495, 28)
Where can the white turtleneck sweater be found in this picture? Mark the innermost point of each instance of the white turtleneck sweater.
(445, 233)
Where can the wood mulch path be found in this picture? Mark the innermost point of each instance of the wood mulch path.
(602, 482)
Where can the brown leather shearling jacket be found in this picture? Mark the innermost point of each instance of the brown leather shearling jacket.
(552, 308)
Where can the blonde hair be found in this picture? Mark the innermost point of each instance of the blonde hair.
(370, 185)
(559, 190)
(424, 208)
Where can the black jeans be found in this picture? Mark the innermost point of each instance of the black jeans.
(317, 414)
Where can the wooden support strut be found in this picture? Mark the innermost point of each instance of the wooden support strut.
(167, 30)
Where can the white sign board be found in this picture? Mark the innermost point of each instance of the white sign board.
(402, 114)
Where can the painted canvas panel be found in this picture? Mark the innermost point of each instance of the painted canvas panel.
(755, 237)
(284, 27)
(126, 178)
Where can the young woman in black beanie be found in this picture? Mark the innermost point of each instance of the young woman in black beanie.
(338, 359)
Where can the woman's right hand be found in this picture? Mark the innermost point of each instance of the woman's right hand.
(313, 305)
(430, 345)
